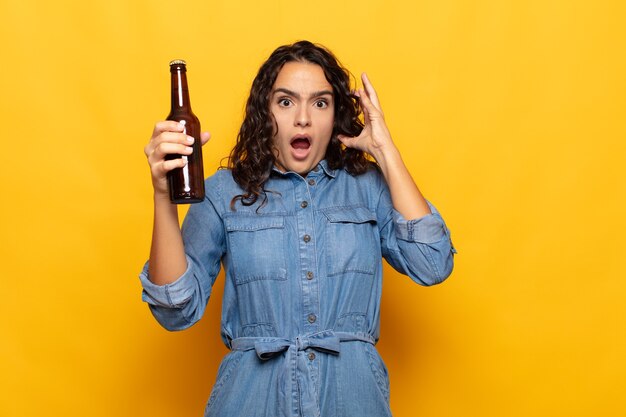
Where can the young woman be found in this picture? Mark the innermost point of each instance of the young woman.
(300, 220)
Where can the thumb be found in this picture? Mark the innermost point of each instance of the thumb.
(346, 140)
(204, 137)
(343, 138)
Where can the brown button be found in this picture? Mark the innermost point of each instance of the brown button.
(311, 182)
(309, 275)
(316, 169)
(306, 238)
(312, 318)
(304, 204)
(311, 356)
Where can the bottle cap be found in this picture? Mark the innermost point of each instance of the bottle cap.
(177, 62)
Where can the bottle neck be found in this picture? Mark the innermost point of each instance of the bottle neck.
(180, 92)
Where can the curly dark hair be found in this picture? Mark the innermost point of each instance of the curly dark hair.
(252, 158)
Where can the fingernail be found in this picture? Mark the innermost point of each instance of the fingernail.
(189, 149)
(190, 139)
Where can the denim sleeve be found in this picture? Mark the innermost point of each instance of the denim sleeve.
(180, 304)
(419, 248)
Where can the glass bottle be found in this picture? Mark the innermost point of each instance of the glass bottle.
(186, 184)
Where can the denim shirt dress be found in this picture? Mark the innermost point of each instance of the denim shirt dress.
(301, 302)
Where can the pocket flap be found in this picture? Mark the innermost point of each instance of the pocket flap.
(253, 223)
(359, 214)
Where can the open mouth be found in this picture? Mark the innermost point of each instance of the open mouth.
(301, 142)
(300, 147)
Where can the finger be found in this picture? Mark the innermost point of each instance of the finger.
(168, 148)
(174, 137)
(371, 92)
(167, 137)
(162, 168)
(171, 137)
(369, 110)
(167, 126)
(167, 166)
(366, 107)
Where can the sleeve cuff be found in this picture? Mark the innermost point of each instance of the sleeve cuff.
(427, 229)
(172, 295)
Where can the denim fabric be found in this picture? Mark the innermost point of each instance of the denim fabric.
(301, 300)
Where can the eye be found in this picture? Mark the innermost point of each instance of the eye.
(284, 102)
(321, 104)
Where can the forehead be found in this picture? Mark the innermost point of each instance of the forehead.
(302, 77)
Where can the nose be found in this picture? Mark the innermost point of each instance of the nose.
(303, 118)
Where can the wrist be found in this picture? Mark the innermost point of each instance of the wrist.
(386, 155)
(162, 199)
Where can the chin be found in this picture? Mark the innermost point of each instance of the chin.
(301, 168)
(294, 165)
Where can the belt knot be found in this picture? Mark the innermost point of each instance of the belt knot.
(327, 341)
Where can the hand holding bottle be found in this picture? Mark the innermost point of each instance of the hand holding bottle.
(168, 139)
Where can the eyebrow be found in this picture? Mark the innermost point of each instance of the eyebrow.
(296, 95)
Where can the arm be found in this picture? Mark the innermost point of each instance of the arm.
(181, 303)
(420, 248)
(177, 279)
(375, 139)
(414, 238)
(167, 253)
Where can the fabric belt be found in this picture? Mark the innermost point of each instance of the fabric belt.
(296, 388)
(324, 341)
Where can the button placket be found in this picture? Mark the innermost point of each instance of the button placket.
(309, 290)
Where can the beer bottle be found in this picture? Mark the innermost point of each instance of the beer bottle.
(186, 184)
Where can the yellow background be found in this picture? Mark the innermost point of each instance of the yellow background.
(510, 115)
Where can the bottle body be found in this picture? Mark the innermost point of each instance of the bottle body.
(186, 184)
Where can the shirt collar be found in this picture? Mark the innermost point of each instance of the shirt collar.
(322, 165)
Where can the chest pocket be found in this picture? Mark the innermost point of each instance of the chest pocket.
(352, 240)
(257, 247)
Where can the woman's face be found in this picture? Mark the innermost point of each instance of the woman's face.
(303, 107)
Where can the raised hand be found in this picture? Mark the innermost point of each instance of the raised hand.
(168, 138)
(167, 253)
(375, 139)
(375, 136)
